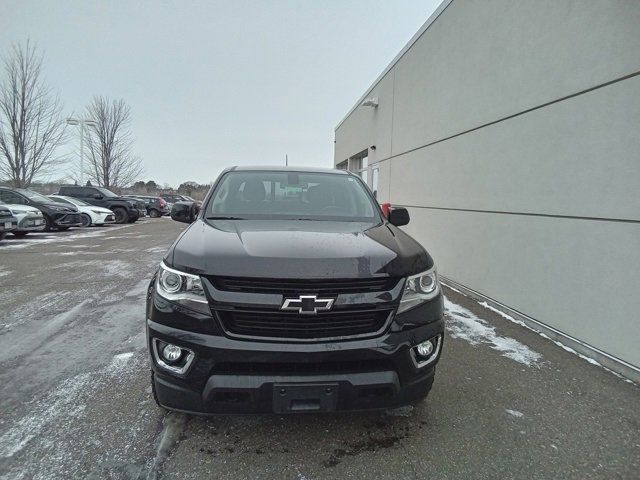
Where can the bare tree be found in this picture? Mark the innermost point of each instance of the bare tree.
(31, 124)
(110, 145)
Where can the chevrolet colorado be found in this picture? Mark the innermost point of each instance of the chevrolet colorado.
(290, 291)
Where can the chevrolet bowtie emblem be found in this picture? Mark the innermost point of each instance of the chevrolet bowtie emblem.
(307, 304)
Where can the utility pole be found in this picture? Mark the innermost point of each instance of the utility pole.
(286, 159)
(81, 122)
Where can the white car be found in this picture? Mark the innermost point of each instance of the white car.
(90, 214)
(30, 219)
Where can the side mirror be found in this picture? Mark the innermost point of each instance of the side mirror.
(398, 216)
(185, 212)
(97, 196)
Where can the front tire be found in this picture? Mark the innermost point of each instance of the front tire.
(85, 219)
(153, 213)
(121, 215)
(48, 224)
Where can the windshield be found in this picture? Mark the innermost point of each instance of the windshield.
(291, 195)
(73, 201)
(105, 192)
(35, 196)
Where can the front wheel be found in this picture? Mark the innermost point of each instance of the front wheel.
(85, 219)
(48, 224)
(153, 213)
(121, 215)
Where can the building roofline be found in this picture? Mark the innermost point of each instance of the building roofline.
(441, 8)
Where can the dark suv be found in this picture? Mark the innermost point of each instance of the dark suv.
(58, 216)
(291, 292)
(125, 209)
(156, 206)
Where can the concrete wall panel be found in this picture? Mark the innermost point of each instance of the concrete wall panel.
(579, 157)
(484, 60)
(578, 276)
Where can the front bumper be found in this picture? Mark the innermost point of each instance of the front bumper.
(31, 224)
(8, 224)
(229, 375)
(102, 218)
(66, 219)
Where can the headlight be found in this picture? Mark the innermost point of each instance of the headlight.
(418, 289)
(98, 212)
(183, 288)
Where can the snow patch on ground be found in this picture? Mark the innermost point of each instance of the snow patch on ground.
(466, 325)
(515, 413)
(59, 404)
(42, 304)
(4, 272)
(28, 343)
(37, 238)
(560, 344)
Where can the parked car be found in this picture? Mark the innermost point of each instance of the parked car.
(156, 206)
(58, 216)
(30, 219)
(7, 221)
(291, 292)
(90, 214)
(124, 209)
(176, 197)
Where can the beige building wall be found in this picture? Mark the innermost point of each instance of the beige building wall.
(511, 130)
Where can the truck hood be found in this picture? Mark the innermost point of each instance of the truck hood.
(296, 249)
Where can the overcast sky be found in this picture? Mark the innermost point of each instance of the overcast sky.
(213, 84)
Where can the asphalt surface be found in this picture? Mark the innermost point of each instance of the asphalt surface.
(75, 400)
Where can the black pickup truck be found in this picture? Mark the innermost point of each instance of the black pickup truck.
(125, 209)
(290, 291)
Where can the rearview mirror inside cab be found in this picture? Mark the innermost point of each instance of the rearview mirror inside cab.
(398, 216)
(185, 212)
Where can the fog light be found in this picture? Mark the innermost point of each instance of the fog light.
(171, 353)
(425, 348)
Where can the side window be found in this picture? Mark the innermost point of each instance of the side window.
(10, 197)
(61, 200)
(87, 192)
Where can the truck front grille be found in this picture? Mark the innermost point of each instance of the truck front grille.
(296, 287)
(291, 325)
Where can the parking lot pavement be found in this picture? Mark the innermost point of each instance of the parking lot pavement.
(75, 400)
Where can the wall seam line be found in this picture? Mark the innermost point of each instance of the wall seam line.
(525, 214)
(514, 115)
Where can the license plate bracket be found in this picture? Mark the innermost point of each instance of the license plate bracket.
(304, 397)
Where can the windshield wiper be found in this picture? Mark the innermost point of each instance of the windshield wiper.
(222, 217)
